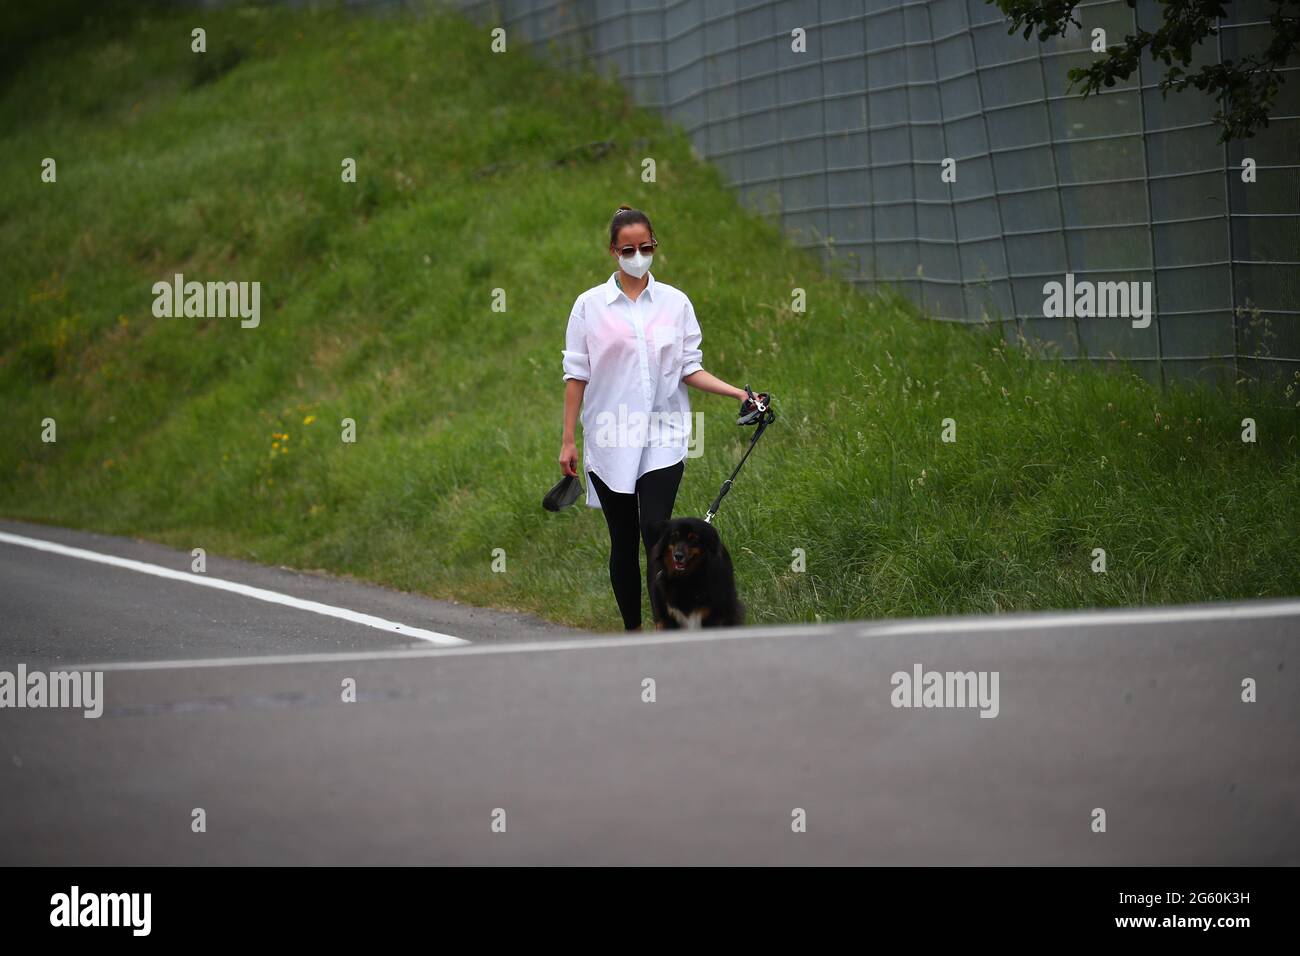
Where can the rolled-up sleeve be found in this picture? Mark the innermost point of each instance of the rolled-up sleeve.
(692, 357)
(576, 362)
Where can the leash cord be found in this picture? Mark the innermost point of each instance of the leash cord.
(726, 485)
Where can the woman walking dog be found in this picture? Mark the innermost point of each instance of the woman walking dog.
(631, 348)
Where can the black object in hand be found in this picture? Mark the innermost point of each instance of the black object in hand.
(564, 493)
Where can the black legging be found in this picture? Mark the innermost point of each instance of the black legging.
(655, 493)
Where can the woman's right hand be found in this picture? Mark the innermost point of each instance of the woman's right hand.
(569, 458)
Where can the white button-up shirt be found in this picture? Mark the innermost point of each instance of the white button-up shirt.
(633, 355)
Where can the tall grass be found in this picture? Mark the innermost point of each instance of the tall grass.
(376, 306)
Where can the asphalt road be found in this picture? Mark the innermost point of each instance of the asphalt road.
(55, 609)
(218, 701)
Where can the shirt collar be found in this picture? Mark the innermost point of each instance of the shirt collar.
(612, 291)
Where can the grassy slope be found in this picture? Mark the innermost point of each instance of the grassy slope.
(376, 306)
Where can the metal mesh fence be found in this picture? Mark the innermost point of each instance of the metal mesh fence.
(843, 145)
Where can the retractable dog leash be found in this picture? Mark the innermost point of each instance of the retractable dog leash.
(761, 414)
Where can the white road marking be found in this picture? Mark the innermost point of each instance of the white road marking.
(1108, 618)
(1016, 622)
(260, 594)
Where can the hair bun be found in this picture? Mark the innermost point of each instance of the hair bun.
(625, 206)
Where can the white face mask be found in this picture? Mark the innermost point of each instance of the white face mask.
(637, 266)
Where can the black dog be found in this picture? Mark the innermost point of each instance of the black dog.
(692, 583)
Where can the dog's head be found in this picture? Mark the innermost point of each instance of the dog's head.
(684, 544)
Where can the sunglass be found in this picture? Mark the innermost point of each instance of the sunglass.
(646, 249)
